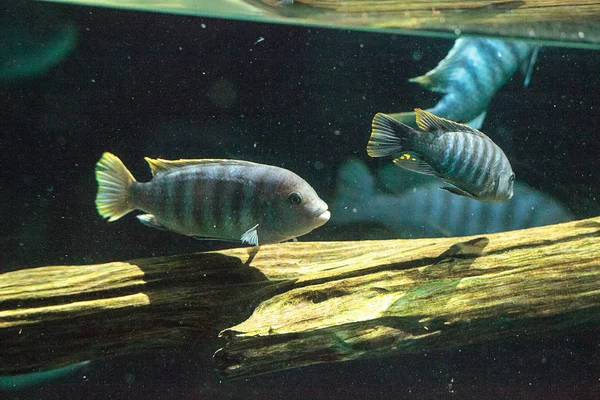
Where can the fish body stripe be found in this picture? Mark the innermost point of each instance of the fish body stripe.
(498, 63)
(477, 69)
(507, 59)
(225, 199)
(450, 150)
(177, 197)
(208, 201)
(466, 155)
(484, 166)
(477, 156)
(247, 214)
(456, 160)
(190, 204)
(237, 204)
(472, 79)
(171, 213)
(481, 171)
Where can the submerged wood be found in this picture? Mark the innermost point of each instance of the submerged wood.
(296, 304)
(574, 23)
(551, 20)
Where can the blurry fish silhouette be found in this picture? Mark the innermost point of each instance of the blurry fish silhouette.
(34, 39)
(31, 379)
(426, 211)
(456, 153)
(213, 198)
(472, 72)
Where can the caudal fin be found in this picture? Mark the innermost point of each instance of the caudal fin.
(114, 184)
(387, 136)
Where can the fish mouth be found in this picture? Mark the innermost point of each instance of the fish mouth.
(323, 216)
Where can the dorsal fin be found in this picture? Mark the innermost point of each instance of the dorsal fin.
(158, 165)
(432, 123)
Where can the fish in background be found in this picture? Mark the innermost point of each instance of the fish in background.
(460, 155)
(213, 198)
(35, 38)
(472, 72)
(426, 211)
(33, 379)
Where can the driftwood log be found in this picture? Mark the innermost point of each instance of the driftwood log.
(566, 23)
(552, 21)
(296, 304)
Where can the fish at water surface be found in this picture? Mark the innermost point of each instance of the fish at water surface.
(456, 153)
(213, 198)
(470, 75)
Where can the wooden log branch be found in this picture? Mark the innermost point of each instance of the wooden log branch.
(551, 21)
(547, 20)
(298, 304)
(59, 315)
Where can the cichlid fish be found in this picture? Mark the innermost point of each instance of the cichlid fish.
(456, 153)
(426, 211)
(213, 198)
(472, 72)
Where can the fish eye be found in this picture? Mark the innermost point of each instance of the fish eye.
(295, 198)
(512, 178)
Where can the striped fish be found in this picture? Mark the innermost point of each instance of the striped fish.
(472, 72)
(456, 153)
(212, 198)
(426, 211)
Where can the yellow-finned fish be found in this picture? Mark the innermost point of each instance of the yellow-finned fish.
(456, 153)
(213, 198)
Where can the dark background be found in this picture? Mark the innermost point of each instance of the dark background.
(143, 84)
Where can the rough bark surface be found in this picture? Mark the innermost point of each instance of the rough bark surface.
(295, 304)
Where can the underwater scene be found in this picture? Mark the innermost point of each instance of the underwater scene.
(279, 199)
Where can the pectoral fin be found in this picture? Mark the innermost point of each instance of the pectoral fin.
(150, 220)
(414, 162)
(251, 236)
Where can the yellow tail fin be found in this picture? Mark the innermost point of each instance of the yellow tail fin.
(114, 184)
